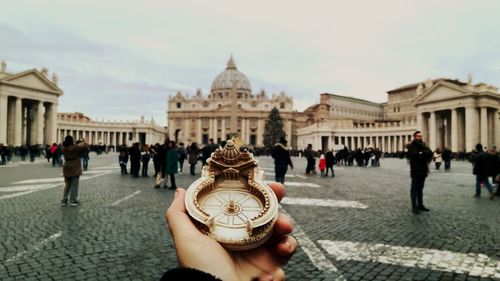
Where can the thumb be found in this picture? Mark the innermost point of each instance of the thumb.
(179, 223)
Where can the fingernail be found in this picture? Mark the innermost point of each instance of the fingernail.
(176, 193)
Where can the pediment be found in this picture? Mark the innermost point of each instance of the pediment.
(32, 79)
(443, 91)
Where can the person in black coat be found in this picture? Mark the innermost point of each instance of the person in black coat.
(483, 165)
(330, 161)
(420, 156)
(281, 160)
(311, 162)
(447, 158)
(135, 160)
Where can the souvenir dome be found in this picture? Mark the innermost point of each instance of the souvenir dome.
(225, 78)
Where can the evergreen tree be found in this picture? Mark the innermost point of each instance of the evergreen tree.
(273, 130)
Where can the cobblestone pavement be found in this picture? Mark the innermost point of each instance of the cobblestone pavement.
(356, 226)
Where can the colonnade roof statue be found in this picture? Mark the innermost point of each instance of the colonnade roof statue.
(28, 106)
(30, 79)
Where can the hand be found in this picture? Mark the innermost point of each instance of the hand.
(196, 250)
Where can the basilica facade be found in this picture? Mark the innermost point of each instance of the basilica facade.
(231, 109)
(450, 113)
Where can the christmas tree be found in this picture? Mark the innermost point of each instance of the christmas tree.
(273, 130)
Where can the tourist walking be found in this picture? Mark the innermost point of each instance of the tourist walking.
(172, 164)
(182, 156)
(122, 161)
(282, 160)
(72, 169)
(193, 152)
(85, 159)
(437, 158)
(330, 162)
(145, 156)
(420, 156)
(447, 159)
(311, 162)
(322, 164)
(135, 160)
(483, 165)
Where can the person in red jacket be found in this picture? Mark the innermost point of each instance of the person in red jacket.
(322, 165)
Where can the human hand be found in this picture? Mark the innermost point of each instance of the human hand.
(196, 250)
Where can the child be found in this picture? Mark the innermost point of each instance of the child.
(122, 159)
(322, 164)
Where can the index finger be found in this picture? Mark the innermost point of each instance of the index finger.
(278, 189)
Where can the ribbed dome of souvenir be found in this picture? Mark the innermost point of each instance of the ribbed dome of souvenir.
(231, 151)
(225, 78)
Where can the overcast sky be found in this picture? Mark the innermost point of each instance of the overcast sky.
(122, 59)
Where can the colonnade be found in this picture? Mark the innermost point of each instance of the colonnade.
(460, 128)
(99, 136)
(386, 143)
(217, 128)
(27, 121)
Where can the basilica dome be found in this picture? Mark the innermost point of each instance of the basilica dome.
(223, 81)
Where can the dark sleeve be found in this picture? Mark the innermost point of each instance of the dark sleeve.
(187, 274)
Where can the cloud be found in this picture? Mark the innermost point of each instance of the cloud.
(109, 56)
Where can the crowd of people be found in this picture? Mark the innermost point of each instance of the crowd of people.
(168, 159)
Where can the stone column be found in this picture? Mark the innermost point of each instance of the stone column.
(420, 122)
(376, 142)
(496, 128)
(223, 129)
(215, 130)
(243, 130)
(39, 123)
(186, 131)
(289, 132)
(3, 119)
(454, 130)
(53, 121)
(471, 128)
(383, 144)
(198, 132)
(18, 122)
(260, 132)
(432, 131)
(484, 127)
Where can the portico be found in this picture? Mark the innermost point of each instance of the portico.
(28, 107)
(458, 118)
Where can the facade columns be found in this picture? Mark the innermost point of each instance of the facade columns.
(383, 144)
(420, 122)
(260, 132)
(484, 126)
(198, 131)
(432, 131)
(214, 132)
(18, 122)
(53, 122)
(471, 126)
(3, 119)
(39, 123)
(223, 129)
(496, 128)
(454, 130)
(289, 132)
